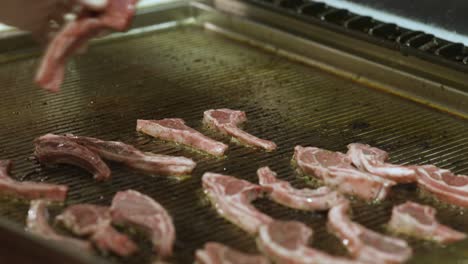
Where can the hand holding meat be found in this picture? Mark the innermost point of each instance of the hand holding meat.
(87, 19)
(117, 15)
(42, 16)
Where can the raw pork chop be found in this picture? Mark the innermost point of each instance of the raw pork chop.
(116, 16)
(54, 149)
(286, 243)
(419, 221)
(216, 253)
(132, 207)
(175, 129)
(227, 121)
(444, 185)
(336, 171)
(134, 158)
(283, 193)
(37, 222)
(364, 244)
(232, 199)
(29, 190)
(95, 221)
(372, 160)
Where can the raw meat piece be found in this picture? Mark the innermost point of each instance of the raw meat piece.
(419, 221)
(174, 129)
(364, 244)
(336, 171)
(95, 221)
(84, 219)
(132, 207)
(227, 121)
(37, 222)
(216, 253)
(283, 193)
(29, 190)
(116, 16)
(316, 161)
(54, 149)
(286, 243)
(232, 199)
(372, 160)
(134, 158)
(445, 185)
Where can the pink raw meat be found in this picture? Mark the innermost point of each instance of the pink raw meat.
(55, 149)
(134, 208)
(116, 16)
(95, 221)
(216, 253)
(372, 160)
(285, 242)
(175, 129)
(232, 198)
(37, 222)
(444, 185)
(335, 170)
(29, 190)
(283, 193)
(134, 158)
(419, 221)
(227, 121)
(364, 244)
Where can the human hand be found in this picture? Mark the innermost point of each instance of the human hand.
(43, 17)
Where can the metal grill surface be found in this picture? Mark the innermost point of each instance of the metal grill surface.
(182, 71)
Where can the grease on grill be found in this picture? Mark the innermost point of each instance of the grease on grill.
(359, 124)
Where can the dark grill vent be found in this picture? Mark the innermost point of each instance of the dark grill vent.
(336, 16)
(361, 23)
(417, 43)
(291, 4)
(313, 9)
(453, 51)
(388, 32)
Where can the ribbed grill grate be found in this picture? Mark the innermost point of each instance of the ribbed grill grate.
(184, 71)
